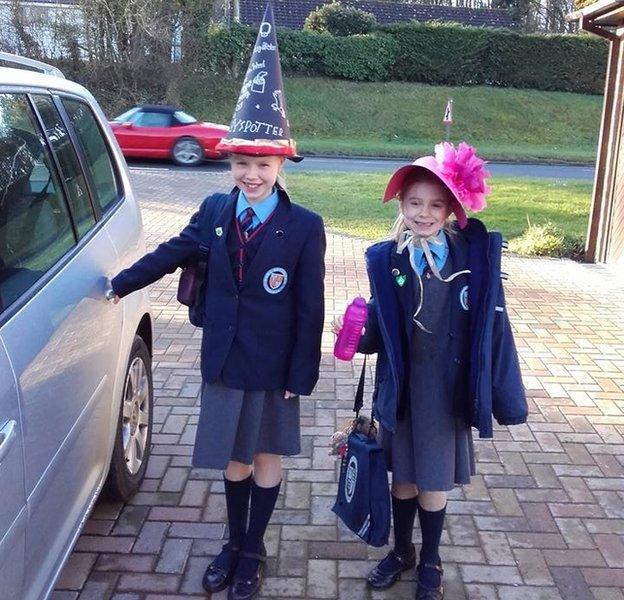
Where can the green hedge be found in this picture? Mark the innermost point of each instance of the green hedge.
(570, 63)
(303, 52)
(434, 53)
(452, 54)
(440, 54)
(360, 57)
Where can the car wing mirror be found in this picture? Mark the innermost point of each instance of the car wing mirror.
(127, 124)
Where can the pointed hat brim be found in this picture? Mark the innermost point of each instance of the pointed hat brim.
(260, 147)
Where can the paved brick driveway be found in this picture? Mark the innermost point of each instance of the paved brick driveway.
(543, 520)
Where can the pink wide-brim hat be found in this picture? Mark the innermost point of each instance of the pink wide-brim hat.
(459, 169)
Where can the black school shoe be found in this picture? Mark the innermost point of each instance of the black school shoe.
(221, 570)
(426, 593)
(248, 576)
(388, 571)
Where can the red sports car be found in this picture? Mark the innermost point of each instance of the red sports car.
(153, 131)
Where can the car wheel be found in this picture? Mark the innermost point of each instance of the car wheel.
(187, 152)
(134, 429)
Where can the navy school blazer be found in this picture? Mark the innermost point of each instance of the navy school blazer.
(265, 335)
(490, 380)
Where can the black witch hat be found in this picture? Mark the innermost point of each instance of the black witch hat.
(260, 123)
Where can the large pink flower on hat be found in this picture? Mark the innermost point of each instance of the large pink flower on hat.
(465, 171)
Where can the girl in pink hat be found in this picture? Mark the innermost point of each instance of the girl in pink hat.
(446, 359)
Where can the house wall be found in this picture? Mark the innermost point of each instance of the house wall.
(44, 23)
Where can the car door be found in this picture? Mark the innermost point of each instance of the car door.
(13, 505)
(63, 338)
(151, 131)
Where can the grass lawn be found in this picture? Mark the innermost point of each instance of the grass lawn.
(334, 116)
(351, 203)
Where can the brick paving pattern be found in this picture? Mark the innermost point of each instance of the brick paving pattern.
(543, 519)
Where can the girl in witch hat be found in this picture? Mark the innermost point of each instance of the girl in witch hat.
(446, 354)
(262, 319)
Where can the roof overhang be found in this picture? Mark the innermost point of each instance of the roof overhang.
(604, 18)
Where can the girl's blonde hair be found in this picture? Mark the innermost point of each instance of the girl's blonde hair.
(399, 227)
(281, 178)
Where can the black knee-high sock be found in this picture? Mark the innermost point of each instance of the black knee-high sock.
(403, 515)
(431, 524)
(262, 504)
(237, 503)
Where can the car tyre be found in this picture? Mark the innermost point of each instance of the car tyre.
(134, 428)
(187, 152)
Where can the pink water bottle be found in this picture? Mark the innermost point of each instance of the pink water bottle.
(351, 332)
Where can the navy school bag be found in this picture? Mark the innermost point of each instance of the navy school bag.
(192, 283)
(363, 500)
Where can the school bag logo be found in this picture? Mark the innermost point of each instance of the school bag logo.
(351, 478)
(463, 297)
(275, 280)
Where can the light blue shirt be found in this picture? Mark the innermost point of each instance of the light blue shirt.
(262, 210)
(440, 253)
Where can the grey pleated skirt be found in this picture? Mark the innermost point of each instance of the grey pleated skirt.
(237, 424)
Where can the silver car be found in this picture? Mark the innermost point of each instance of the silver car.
(75, 370)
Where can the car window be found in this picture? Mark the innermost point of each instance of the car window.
(183, 118)
(35, 226)
(73, 177)
(95, 150)
(127, 116)
(153, 119)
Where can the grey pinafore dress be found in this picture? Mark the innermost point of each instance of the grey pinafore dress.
(243, 423)
(432, 446)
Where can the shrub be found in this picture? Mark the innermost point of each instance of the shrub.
(547, 240)
(340, 20)
(225, 50)
(573, 247)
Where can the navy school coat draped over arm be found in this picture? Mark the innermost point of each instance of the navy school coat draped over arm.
(496, 387)
(509, 405)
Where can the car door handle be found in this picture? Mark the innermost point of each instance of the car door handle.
(109, 293)
(7, 436)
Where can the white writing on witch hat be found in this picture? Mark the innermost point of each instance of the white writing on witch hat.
(246, 125)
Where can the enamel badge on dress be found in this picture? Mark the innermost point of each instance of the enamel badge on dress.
(219, 231)
(275, 280)
(399, 277)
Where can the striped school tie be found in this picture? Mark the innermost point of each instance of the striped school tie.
(246, 221)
